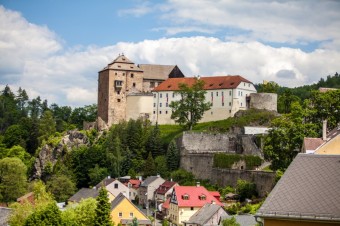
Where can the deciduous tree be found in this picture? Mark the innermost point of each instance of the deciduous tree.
(190, 108)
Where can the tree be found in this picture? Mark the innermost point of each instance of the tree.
(84, 114)
(149, 166)
(82, 214)
(154, 142)
(191, 107)
(15, 135)
(46, 126)
(103, 209)
(61, 187)
(268, 87)
(230, 222)
(97, 174)
(172, 156)
(13, 179)
(50, 215)
(161, 166)
(246, 189)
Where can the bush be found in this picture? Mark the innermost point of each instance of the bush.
(246, 189)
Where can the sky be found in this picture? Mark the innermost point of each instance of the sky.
(55, 49)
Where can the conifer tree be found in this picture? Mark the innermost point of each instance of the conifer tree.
(149, 167)
(172, 156)
(103, 209)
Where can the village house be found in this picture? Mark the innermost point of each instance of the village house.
(307, 194)
(132, 184)
(209, 214)
(123, 211)
(85, 193)
(164, 191)
(186, 201)
(114, 187)
(147, 190)
(227, 95)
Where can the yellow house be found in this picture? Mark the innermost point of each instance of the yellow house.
(331, 147)
(124, 211)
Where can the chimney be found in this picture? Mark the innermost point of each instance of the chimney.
(324, 130)
(108, 177)
(198, 184)
(213, 202)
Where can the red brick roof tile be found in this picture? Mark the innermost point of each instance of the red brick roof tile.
(194, 194)
(210, 83)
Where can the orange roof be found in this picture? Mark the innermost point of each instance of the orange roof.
(134, 182)
(215, 82)
(194, 193)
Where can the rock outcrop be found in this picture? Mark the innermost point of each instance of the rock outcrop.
(50, 154)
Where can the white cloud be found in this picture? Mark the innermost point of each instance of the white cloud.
(272, 21)
(33, 57)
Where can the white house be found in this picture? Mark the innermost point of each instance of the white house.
(227, 94)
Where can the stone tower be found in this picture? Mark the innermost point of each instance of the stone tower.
(115, 82)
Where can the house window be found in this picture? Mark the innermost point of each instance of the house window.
(202, 197)
(212, 113)
(154, 96)
(191, 208)
(185, 197)
(173, 95)
(154, 105)
(116, 186)
(131, 214)
(131, 75)
(229, 93)
(241, 104)
(120, 214)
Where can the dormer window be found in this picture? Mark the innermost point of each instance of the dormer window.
(202, 197)
(185, 197)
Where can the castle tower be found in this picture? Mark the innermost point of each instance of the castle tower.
(115, 82)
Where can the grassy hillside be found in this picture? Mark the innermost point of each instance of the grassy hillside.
(251, 117)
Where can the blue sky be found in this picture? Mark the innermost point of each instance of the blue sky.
(55, 49)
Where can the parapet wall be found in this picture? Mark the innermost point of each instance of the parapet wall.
(265, 101)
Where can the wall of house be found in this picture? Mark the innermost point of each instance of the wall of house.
(274, 222)
(225, 103)
(117, 187)
(332, 147)
(185, 213)
(125, 207)
(139, 106)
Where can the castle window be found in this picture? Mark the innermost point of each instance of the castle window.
(119, 66)
(123, 73)
(229, 111)
(229, 93)
(160, 104)
(152, 84)
(118, 92)
(229, 103)
(134, 84)
(222, 104)
(212, 113)
(166, 112)
(241, 104)
(118, 100)
(217, 94)
(118, 83)
(154, 96)
(160, 112)
(160, 95)
(131, 75)
(115, 73)
(154, 105)
(166, 105)
(154, 112)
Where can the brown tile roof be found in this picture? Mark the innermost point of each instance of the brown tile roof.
(154, 71)
(308, 190)
(163, 188)
(312, 143)
(215, 82)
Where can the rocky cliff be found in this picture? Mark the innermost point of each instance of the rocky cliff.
(50, 154)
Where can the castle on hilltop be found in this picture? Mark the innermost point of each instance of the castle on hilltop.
(128, 91)
(124, 89)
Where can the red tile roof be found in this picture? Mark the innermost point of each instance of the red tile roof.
(194, 193)
(312, 143)
(166, 204)
(135, 183)
(163, 188)
(210, 83)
